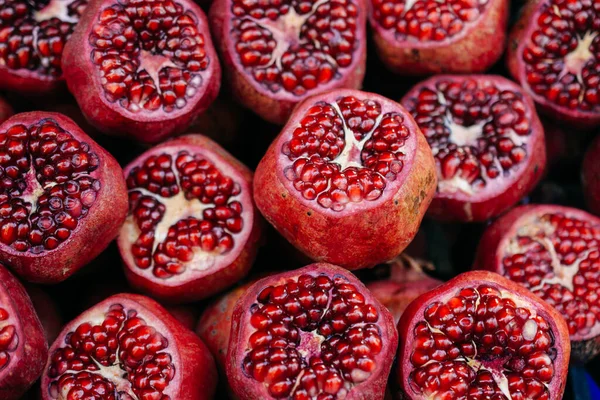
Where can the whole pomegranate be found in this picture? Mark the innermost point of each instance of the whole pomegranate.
(554, 252)
(482, 336)
(487, 141)
(591, 176)
(423, 37)
(554, 52)
(6, 111)
(128, 347)
(275, 54)
(316, 332)
(23, 346)
(63, 198)
(192, 228)
(348, 179)
(143, 69)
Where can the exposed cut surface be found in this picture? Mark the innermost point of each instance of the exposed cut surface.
(9, 337)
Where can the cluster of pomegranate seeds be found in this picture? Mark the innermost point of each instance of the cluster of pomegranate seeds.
(294, 45)
(345, 152)
(149, 53)
(46, 185)
(558, 258)
(9, 339)
(480, 344)
(477, 131)
(562, 55)
(313, 337)
(117, 356)
(425, 20)
(185, 209)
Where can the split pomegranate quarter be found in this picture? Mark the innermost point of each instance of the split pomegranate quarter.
(591, 176)
(277, 53)
(423, 37)
(482, 336)
(554, 252)
(313, 333)
(348, 179)
(192, 228)
(144, 69)
(487, 140)
(554, 52)
(128, 347)
(62, 200)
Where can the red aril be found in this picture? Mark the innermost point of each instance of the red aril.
(591, 176)
(6, 111)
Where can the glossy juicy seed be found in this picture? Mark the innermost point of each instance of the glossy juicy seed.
(149, 53)
(478, 345)
(9, 338)
(427, 21)
(121, 351)
(45, 185)
(345, 152)
(558, 258)
(33, 35)
(477, 132)
(313, 337)
(562, 55)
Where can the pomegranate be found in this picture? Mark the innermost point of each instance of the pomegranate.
(487, 140)
(482, 336)
(554, 52)
(276, 54)
(422, 37)
(23, 347)
(554, 252)
(63, 198)
(6, 111)
(192, 228)
(185, 314)
(591, 176)
(348, 179)
(313, 333)
(47, 311)
(128, 347)
(144, 69)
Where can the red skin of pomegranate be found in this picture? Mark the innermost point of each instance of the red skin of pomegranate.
(563, 262)
(85, 82)
(371, 386)
(6, 111)
(94, 231)
(194, 375)
(47, 311)
(201, 279)
(27, 356)
(413, 323)
(578, 55)
(276, 107)
(474, 48)
(186, 314)
(322, 233)
(457, 198)
(590, 174)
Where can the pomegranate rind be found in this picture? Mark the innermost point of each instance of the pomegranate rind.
(27, 82)
(590, 177)
(195, 371)
(474, 49)
(84, 82)
(323, 234)
(93, 233)
(245, 387)
(27, 361)
(277, 107)
(414, 314)
(230, 268)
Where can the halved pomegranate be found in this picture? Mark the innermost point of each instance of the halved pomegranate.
(277, 53)
(128, 347)
(144, 69)
(554, 252)
(487, 140)
(313, 333)
(554, 52)
(192, 228)
(6, 111)
(348, 179)
(482, 336)
(591, 176)
(422, 37)
(63, 197)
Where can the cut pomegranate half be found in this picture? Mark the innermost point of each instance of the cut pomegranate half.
(591, 176)
(192, 228)
(482, 336)
(554, 252)
(487, 140)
